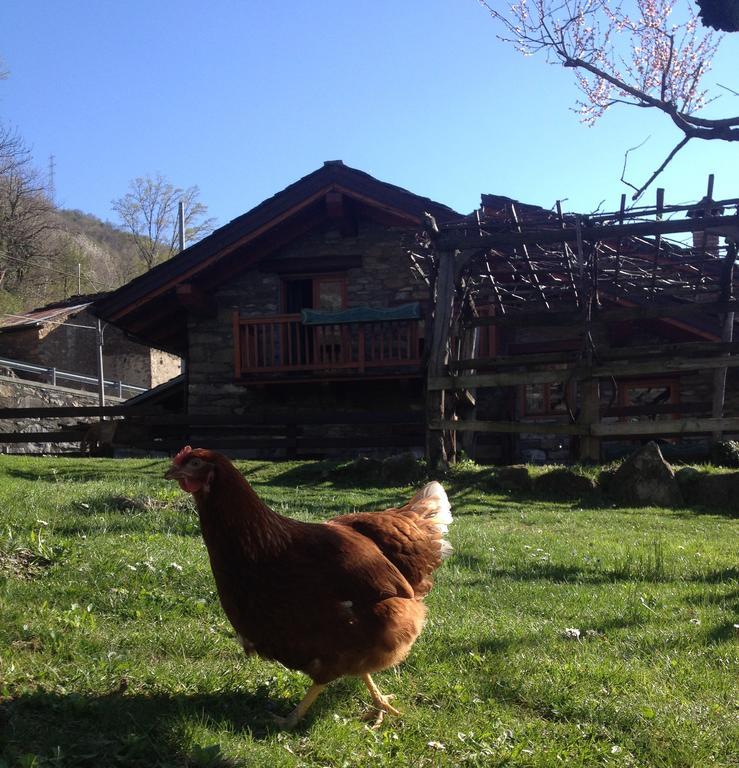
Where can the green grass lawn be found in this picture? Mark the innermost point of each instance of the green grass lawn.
(114, 650)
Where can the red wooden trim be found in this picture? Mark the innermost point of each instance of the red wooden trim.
(672, 383)
(547, 396)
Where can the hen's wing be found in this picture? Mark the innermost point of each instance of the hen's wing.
(410, 537)
(359, 567)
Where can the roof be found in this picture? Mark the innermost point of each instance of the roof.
(147, 307)
(499, 206)
(56, 312)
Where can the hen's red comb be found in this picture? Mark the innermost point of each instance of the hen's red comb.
(181, 457)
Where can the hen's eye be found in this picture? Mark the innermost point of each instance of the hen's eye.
(195, 463)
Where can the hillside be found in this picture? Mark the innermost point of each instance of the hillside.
(107, 253)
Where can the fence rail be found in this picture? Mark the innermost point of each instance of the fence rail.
(54, 375)
(297, 433)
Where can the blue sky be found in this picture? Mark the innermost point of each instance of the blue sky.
(244, 97)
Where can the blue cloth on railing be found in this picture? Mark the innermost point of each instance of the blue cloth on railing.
(361, 315)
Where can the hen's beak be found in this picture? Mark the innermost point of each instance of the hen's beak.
(174, 473)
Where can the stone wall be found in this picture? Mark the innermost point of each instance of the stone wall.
(17, 393)
(72, 347)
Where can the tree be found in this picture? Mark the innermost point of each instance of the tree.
(640, 59)
(720, 14)
(26, 215)
(149, 210)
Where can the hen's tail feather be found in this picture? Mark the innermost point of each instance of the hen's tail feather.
(431, 503)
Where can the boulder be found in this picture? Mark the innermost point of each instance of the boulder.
(716, 491)
(402, 469)
(645, 479)
(363, 469)
(688, 479)
(513, 478)
(563, 483)
(605, 481)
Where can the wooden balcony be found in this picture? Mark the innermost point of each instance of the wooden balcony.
(277, 346)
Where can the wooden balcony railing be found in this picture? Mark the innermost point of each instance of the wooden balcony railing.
(282, 344)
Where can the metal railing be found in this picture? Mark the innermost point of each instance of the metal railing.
(54, 375)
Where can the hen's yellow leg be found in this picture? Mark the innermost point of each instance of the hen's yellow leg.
(382, 703)
(292, 719)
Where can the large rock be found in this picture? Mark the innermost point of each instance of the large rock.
(401, 469)
(513, 478)
(645, 479)
(711, 490)
(563, 483)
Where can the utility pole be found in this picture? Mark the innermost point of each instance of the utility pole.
(181, 224)
(101, 380)
(52, 169)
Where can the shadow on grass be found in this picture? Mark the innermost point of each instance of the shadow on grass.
(131, 730)
(114, 514)
(82, 472)
(569, 574)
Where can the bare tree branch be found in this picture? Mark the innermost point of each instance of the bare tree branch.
(642, 59)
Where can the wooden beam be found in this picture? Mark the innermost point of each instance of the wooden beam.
(508, 427)
(649, 312)
(688, 349)
(727, 332)
(654, 409)
(667, 427)
(620, 429)
(728, 226)
(619, 370)
(436, 453)
(588, 419)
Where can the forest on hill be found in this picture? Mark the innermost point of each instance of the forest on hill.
(49, 253)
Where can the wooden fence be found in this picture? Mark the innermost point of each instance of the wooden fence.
(296, 434)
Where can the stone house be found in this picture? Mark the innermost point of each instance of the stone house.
(308, 304)
(63, 336)
(304, 304)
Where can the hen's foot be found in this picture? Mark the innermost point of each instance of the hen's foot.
(289, 722)
(381, 703)
(381, 706)
(286, 723)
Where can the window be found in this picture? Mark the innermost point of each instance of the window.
(542, 399)
(321, 292)
(329, 293)
(646, 393)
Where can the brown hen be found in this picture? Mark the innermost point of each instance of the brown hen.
(330, 599)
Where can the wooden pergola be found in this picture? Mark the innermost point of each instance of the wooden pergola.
(547, 268)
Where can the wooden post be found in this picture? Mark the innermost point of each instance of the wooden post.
(589, 446)
(101, 372)
(589, 415)
(436, 453)
(727, 335)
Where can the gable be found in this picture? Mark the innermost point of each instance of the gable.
(153, 307)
